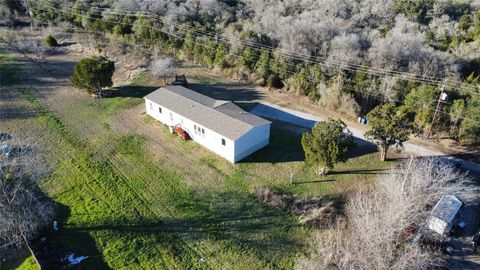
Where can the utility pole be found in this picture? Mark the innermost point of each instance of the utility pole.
(443, 96)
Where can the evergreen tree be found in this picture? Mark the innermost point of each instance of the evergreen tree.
(189, 45)
(389, 126)
(220, 55)
(93, 73)
(247, 58)
(328, 143)
(263, 65)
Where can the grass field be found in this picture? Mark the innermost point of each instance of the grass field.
(130, 195)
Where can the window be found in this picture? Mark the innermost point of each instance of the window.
(171, 116)
(195, 129)
(151, 106)
(203, 132)
(160, 109)
(223, 141)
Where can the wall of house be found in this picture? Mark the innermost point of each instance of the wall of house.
(255, 139)
(209, 139)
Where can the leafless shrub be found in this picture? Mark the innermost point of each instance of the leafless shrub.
(163, 67)
(32, 46)
(332, 97)
(371, 236)
(23, 211)
(319, 216)
(314, 211)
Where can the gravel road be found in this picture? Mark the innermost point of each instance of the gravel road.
(305, 120)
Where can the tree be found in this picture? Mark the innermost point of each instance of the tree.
(376, 232)
(220, 60)
(421, 103)
(389, 126)
(189, 45)
(51, 41)
(328, 143)
(263, 65)
(146, 31)
(247, 58)
(93, 73)
(23, 209)
(162, 68)
(469, 132)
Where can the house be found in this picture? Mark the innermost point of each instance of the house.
(443, 214)
(218, 125)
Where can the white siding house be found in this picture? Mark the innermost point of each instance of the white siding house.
(218, 125)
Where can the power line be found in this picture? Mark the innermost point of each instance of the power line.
(289, 54)
(168, 33)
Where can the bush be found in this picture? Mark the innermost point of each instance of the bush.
(51, 41)
(328, 143)
(93, 73)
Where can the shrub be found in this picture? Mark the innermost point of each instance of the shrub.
(93, 73)
(51, 41)
(328, 143)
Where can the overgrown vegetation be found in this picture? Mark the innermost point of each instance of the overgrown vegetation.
(24, 210)
(381, 224)
(368, 55)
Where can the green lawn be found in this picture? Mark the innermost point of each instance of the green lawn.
(129, 200)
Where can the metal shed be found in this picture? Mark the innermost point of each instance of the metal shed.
(444, 213)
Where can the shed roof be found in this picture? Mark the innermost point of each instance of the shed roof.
(221, 116)
(447, 208)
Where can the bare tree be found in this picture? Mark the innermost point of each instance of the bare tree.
(23, 210)
(26, 46)
(373, 234)
(163, 67)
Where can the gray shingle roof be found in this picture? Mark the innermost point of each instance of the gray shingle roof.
(221, 116)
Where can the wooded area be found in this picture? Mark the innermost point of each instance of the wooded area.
(349, 56)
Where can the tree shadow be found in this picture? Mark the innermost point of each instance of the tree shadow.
(227, 91)
(235, 220)
(372, 171)
(51, 247)
(133, 91)
(313, 181)
(362, 147)
(284, 146)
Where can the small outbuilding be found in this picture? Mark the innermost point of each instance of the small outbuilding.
(218, 125)
(443, 215)
(180, 80)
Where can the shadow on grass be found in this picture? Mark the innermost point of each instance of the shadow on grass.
(233, 220)
(51, 247)
(227, 91)
(313, 181)
(133, 91)
(372, 171)
(285, 146)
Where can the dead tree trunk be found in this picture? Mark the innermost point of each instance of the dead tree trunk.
(30, 249)
(383, 154)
